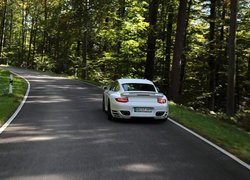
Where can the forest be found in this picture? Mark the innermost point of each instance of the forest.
(196, 51)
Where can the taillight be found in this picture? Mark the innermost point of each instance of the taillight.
(122, 100)
(161, 100)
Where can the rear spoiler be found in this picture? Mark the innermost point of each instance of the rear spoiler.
(142, 93)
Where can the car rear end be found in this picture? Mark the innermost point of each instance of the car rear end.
(140, 104)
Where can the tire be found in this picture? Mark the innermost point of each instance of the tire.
(164, 120)
(103, 104)
(110, 117)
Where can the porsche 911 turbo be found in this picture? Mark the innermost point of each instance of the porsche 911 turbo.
(128, 98)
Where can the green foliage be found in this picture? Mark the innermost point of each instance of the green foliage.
(9, 103)
(49, 35)
(243, 119)
(44, 63)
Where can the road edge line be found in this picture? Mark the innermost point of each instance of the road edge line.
(7, 123)
(212, 144)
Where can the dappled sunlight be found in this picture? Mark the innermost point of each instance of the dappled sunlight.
(53, 176)
(47, 99)
(54, 90)
(41, 138)
(38, 76)
(142, 168)
(20, 127)
(55, 130)
(39, 80)
(67, 87)
(91, 99)
(103, 141)
(98, 99)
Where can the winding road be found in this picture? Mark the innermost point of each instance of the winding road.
(61, 133)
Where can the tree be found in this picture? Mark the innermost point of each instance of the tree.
(169, 43)
(109, 39)
(185, 45)
(45, 28)
(153, 11)
(212, 62)
(121, 14)
(85, 37)
(232, 59)
(178, 50)
(2, 28)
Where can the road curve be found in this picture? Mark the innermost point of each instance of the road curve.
(61, 133)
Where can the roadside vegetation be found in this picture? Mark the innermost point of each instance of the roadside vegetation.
(10, 102)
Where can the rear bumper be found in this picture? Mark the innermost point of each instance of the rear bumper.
(127, 110)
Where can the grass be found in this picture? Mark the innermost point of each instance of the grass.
(9, 103)
(227, 136)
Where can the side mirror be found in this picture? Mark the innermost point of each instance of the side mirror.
(157, 89)
(106, 87)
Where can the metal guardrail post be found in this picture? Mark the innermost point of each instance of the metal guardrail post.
(11, 84)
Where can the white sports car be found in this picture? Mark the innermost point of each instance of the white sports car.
(127, 98)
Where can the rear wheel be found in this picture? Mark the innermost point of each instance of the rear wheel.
(110, 116)
(165, 119)
(103, 104)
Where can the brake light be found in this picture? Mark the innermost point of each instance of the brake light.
(122, 100)
(161, 100)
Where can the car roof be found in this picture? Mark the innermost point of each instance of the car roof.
(128, 80)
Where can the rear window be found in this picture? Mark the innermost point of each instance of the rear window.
(138, 87)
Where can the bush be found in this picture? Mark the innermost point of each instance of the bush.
(243, 120)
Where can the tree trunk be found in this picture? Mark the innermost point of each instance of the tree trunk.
(30, 42)
(211, 62)
(78, 49)
(10, 30)
(23, 35)
(121, 12)
(2, 31)
(248, 70)
(168, 48)
(45, 33)
(85, 41)
(178, 50)
(84, 54)
(153, 11)
(248, 79)
(232, 59)
(221, 53)
(34, 44)
(184, 61)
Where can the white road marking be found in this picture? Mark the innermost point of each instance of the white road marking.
(19, 107)
(213, 145)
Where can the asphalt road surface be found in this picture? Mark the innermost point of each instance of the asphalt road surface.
(61, 133)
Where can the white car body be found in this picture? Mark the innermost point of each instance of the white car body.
(128, 98)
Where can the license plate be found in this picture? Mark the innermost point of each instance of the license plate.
(143, 109)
